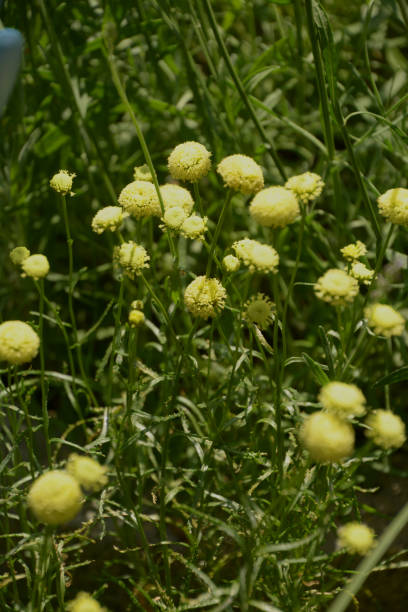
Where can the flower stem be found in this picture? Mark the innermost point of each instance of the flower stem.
(217, 231)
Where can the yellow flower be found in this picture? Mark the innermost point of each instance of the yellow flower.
(189, 161)
(384, 320)
(174, 218)
(19, 343)
(354, 250)
(274, 207)
(140, 199)
(133, 258)
(194, 227)
(83, 602)
(241, 173)
(343, 399)
(307, 186)
(257, 256)
(360, 272)
(259, 310)
(174, 195)
(205, 297)
(136, 318)
(108, 218)
(356, 538)
(336, 287)
(326, 437)
(62, 182)
(88, 472)
(386, 429)
(55, 497)
(393, 205)
(19, 254)
(231, 263)
(36, 266)
(142, 173)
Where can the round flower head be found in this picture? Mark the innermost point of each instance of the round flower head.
(336, 287)
(142, 173)
(19, 254)
(258, 257)
(136, 318)
(108, 218)
(189, 161)
(231, 263)
(140, 199)
(36, 266)
(174, 195)
(356, 538)
(384, 320)
(342, 399)
(62, 182)
(326, 437)
(133, 258)
(360, 272)
(83, 602)
(354, 250)
(307, 186)
(19, 343)
(259, 310)
(274, 207)
(55, 497)
(386, 429)
(393, 205)
(241, 173)
(194, 227)
(174, 218)
(89, 473)
(204, 297)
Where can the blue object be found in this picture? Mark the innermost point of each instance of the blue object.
(11, 47)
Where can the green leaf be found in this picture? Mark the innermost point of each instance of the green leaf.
(316, 369)
(51, 141)
(394, 377)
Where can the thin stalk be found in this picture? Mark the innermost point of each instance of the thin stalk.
(217, 231)
(40, 288)
(241, 90)
(160, 305)
(116, 332)
(369, 562)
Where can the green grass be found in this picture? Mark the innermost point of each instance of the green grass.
(211, 503)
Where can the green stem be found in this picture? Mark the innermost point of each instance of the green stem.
(241, 90)
(40, 288)
(369, 562)
(160, 305)
(118, 312)
(217, 231)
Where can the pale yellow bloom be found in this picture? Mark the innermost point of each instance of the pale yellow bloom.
(133, 258)
(393, 205)
(386, 429)
(360, 272)
(19, 343)
(257, 256)
(189, 161)
(259, 309)
(36, 266)
(205, 297)
(174, 195)
(108, 218)
(343, 399)
(384, 320)
(354, 250)
(62, 182)
(55, 497)
(356, 538)
(83, 602)
(88, 472)
(307, 186)
(231, 263)
(174, 218)
(336, 287)
(140, 199)
(194, 227)
(274, 207)
(142, 173)
(136, 318)
(326, 437)
(19, 254)
(241, 173)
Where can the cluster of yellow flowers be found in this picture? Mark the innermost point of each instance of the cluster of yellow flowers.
(204, 297)
(36, 266)
(257, 256)
(328, 435)
(336, 287)
(136, 314)
(393, 205)
(384, 320)
(19, 343)
(356, 269)
(356, 538)
(55, 497)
